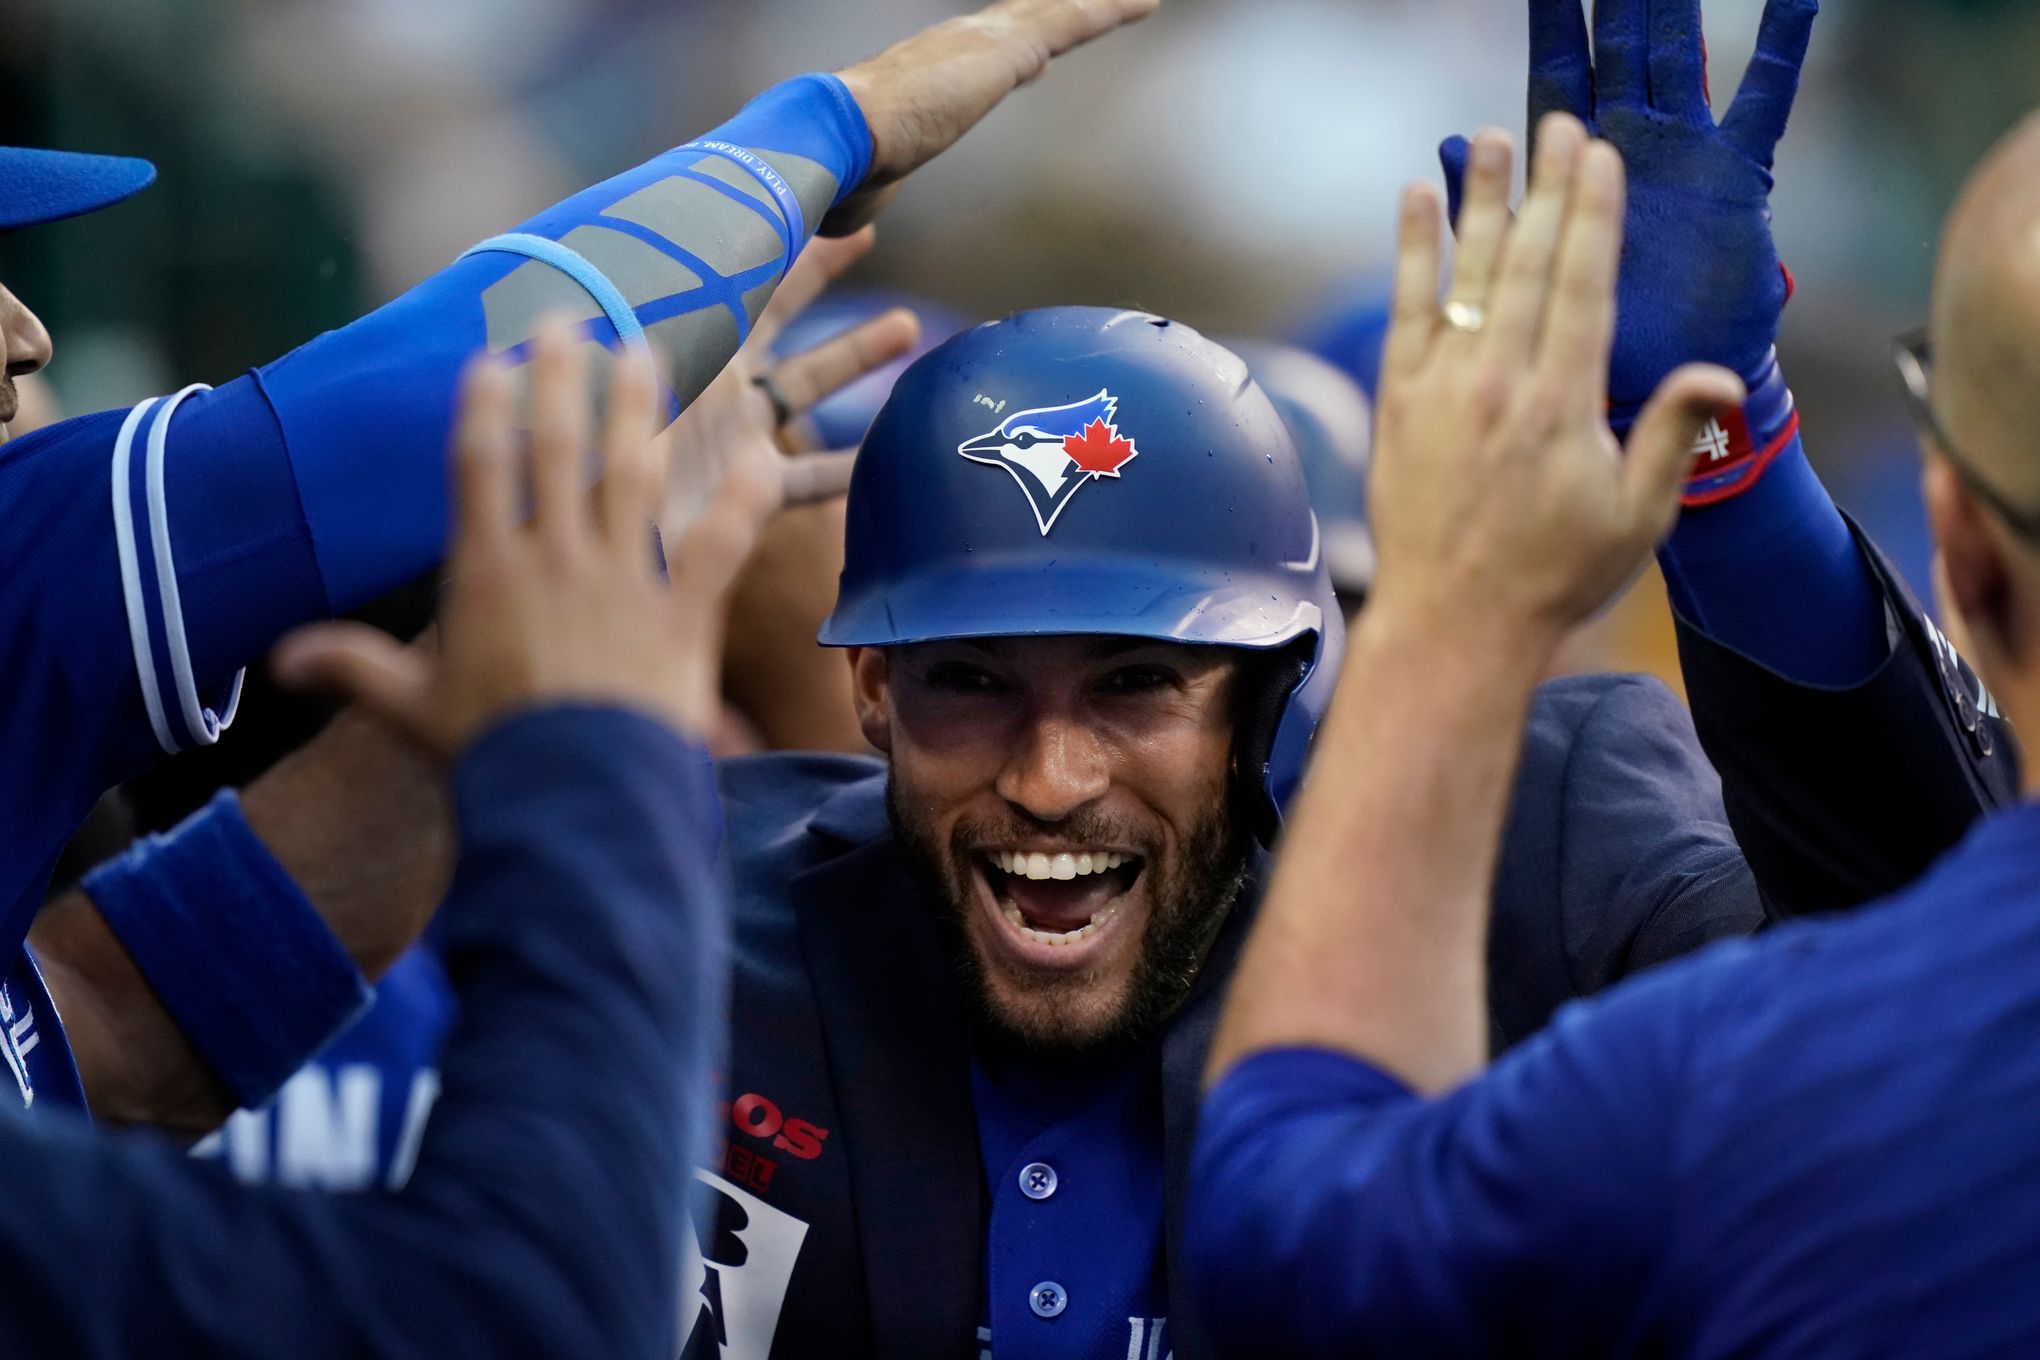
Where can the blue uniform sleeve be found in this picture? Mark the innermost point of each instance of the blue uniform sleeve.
(1333, 1212)
(152, 553)
(585, 942)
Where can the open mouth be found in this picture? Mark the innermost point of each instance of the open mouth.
(1060, 897)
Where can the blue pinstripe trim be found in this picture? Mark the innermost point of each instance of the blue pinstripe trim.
(576, 267)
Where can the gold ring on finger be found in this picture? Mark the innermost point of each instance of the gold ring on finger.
(1469, 317)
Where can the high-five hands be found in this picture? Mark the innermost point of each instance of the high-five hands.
(567, 606)
(920, 95)
(1700, 274)
(1502, 502)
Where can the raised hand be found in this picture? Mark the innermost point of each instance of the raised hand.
(750, 416)
(1501, 499)
(1700, 274)
(921, 94)
(567, 606)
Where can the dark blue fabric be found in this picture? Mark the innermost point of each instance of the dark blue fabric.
(1775, 573)
(584, 937)
(46, 186)
(1819, 1143)
(1098, 1236)
(239, 956)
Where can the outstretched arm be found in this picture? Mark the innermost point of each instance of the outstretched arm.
(1506, 514)
(1802, 651)
(162, 549)
(197, 972)
(582, 936)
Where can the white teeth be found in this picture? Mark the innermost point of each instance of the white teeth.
(1065, 865)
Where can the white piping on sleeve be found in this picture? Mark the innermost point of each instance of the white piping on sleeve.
(201, 723)
(131, 578)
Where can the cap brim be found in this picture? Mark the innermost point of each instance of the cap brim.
(38, 186)
(1021, 600)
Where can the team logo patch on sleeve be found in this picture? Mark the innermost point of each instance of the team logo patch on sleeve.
(1054, 451)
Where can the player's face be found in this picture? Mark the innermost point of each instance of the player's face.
(1065, 802)
(26, 348)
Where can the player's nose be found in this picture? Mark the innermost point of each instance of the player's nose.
(1057, 765)
(22, 335)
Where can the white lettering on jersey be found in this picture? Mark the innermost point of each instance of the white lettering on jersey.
(1144, 1339)
(734, 1275)
(324, 1127)
(17, 1040)
(1987, 705)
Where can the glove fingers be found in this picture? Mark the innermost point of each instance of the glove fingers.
(1756, 121)
(1452, 154)
(1561, 70)
(1678, 60)
(1621, 52)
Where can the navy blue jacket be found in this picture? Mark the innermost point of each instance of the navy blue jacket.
(583, 939)
(851, 1142)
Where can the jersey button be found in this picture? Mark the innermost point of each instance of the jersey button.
(1037, 1180)
(1048, 1299)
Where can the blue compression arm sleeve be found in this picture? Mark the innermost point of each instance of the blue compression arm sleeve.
(585, 942)
(1335, 1213)
(150, 554)
(1775, 574)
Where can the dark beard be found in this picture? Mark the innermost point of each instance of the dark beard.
(1190, 908)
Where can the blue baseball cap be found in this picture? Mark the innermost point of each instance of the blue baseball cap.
(38, 186)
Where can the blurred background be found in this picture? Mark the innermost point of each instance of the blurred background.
(1231, 163)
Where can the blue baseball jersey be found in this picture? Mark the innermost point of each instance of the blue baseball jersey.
(1075, 1200)
(1818, 1143)
(352, 1117)
(152, 553)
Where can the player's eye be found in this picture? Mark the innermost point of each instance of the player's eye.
(1137, 680)
(959, 677)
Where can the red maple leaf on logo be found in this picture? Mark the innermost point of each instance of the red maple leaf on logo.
(1099, 449)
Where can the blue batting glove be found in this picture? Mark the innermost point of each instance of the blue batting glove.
(1701, 280)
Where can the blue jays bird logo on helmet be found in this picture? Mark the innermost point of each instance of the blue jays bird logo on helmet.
(1053, 451)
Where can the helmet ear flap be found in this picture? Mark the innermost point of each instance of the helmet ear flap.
(1266, 685)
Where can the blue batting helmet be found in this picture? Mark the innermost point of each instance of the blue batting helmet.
(841, 418)
(39, 186)
(1332, 422)
(1086, 470)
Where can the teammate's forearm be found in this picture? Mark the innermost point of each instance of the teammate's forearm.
(587, 945)
(361, 824)
(1372, 939)
(1773, 572)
